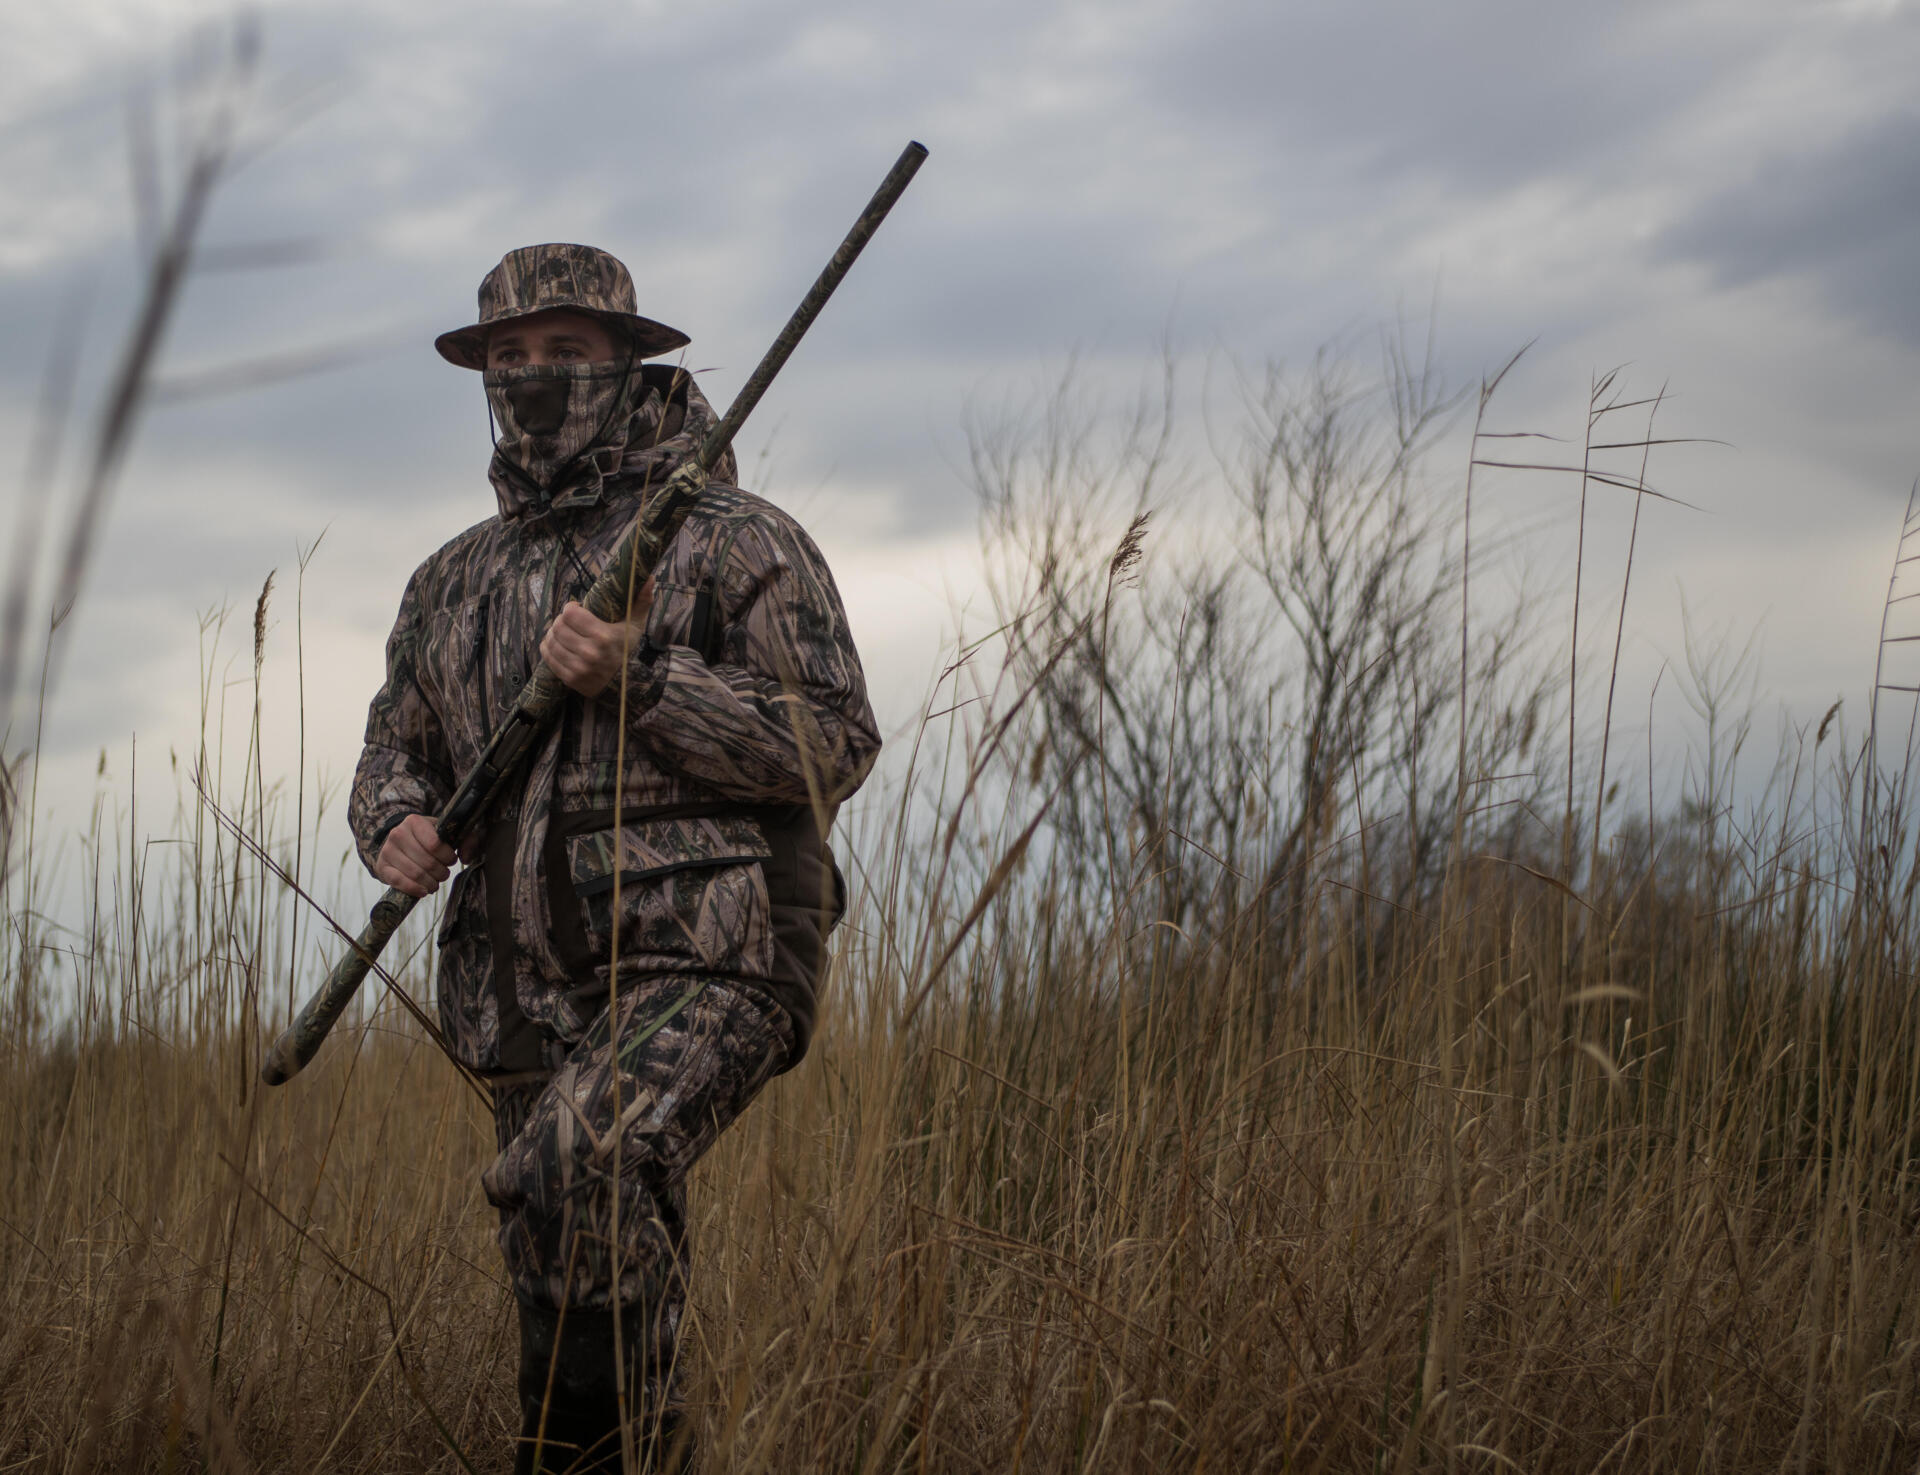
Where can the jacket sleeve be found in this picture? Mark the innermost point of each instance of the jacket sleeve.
(405, 767)
(781, 716)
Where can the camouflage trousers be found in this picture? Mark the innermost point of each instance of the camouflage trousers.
(591, 1177)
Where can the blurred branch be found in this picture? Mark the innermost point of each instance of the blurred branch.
(257, 373)
(212, 89)
(127, 395)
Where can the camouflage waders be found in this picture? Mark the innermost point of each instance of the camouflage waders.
(591, 1188)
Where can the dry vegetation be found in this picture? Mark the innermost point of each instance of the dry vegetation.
(1264, 1129)
(1230, 1065)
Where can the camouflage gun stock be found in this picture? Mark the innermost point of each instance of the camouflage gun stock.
(539, 701)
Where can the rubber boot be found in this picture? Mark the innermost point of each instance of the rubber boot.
(569, 1398)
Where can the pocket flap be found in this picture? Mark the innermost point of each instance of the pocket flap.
(659, 847)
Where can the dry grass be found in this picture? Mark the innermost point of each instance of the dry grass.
(1513, 1180)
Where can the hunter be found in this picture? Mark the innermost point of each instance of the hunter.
(634, 946)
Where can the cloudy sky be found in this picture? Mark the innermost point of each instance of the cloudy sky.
(1724, 197)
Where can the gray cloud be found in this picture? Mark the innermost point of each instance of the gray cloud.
(1846, 216)
(1482, 95)
(1250, 178)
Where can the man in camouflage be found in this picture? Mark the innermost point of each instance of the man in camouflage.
(633, 948)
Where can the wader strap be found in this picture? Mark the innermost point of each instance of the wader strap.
(569, 929)
(519, 1047)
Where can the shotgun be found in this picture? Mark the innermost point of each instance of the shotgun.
(539, 702)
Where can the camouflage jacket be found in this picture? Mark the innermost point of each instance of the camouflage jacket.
(746, 722)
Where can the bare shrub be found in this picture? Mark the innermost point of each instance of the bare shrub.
(1287, 688)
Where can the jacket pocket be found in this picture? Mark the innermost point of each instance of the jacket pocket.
(691, 896)
(463, 982)
(466, 906)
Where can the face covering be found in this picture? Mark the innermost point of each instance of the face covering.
(551, 415)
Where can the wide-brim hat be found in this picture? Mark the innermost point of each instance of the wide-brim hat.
(537, 278)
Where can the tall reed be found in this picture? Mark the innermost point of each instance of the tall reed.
(1448, 1183)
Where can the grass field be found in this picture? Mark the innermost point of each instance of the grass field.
(1494, 1177)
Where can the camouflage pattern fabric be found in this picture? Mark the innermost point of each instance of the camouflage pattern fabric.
(558, 274)
(549, 415)
(591, 1177)
(772, 711)
(676, 891)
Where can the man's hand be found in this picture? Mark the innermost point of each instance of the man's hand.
(586, 652)
(414, 859)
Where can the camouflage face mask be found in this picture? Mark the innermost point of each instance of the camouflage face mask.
(551, 415)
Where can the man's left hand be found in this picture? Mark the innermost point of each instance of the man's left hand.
(587, 652)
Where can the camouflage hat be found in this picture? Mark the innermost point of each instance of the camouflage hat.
(535, 278)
